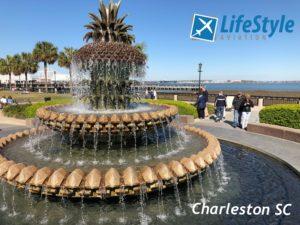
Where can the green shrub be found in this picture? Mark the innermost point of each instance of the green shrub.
(184, 108)
(210, 109)
(17, 111)
(29, 110)
(287, 115)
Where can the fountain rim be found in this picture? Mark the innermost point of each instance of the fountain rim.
(114, 121)
(112, 183)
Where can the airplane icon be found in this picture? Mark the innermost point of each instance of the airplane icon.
(206, 26)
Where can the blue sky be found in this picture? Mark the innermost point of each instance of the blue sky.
(165, 27)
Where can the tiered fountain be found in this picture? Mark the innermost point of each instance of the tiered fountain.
(106, 144)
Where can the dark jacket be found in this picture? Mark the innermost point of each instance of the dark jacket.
(202, 100)
(220, 101)
(246, 105)
(237, 101)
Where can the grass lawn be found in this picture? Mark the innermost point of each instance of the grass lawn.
(33, 96)
(31, 102)
(184, 108)
(24, 111)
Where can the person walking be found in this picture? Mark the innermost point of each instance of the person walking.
(246, 106)
(236, 104)
(201, 102)
(220, 104)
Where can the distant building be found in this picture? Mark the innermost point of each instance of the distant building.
(39, 77)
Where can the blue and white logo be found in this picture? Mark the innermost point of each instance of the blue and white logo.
(204, 28)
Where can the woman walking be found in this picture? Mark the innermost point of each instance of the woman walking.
(246, 106)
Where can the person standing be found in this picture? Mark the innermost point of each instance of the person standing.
(220, 104)
(154, 94)
(9, 100)
(3, 102)
(146, 93)
(151, 94)
(201, 102)
(236, 103)
(246, 106)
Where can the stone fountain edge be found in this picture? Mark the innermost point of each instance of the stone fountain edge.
(77, 184)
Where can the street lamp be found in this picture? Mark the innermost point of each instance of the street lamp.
(54, 76)
(55, 90)
(200, 70)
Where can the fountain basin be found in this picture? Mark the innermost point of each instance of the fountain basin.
(105, 184)
(56, 117)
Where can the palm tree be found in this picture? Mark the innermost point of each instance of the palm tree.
(28, 65)
(17, 65)
(65, 59)
(46, 53)
(6, 67)
(107, 26)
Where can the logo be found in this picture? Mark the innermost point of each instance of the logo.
(204, 28)
(257, 24)
(239, 27)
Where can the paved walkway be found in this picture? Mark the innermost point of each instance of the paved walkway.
(10, 125)
(254, 118)
(287, 151)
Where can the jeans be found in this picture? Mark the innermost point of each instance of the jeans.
(220, 112)
(245, 119)
(236, 115)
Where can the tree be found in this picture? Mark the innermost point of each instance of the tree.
(107, 27)
(65, 59)
(28, 65)
(16, 65)
(6, 67)
(46, 53)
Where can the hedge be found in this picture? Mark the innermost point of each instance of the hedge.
(287, 115)
(29, 110)
(184, 108)
(17, 111)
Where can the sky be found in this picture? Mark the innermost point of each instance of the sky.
(165, 28)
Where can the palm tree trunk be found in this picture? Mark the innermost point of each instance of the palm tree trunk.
(71, 83)
(46, 77)
(26, 82)
(9, 81)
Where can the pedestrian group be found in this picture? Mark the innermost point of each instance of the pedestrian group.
(241, 104)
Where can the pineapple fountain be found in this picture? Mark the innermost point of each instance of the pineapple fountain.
(106, 144)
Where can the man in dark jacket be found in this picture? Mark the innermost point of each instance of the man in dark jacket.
(237, 113)
(201, 102)
(220, 104)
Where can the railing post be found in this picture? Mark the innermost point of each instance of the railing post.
(260, 102)
(175, 97)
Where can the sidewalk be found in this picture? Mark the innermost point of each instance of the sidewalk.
(287, 151)
(254, 118)
(10, 125)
